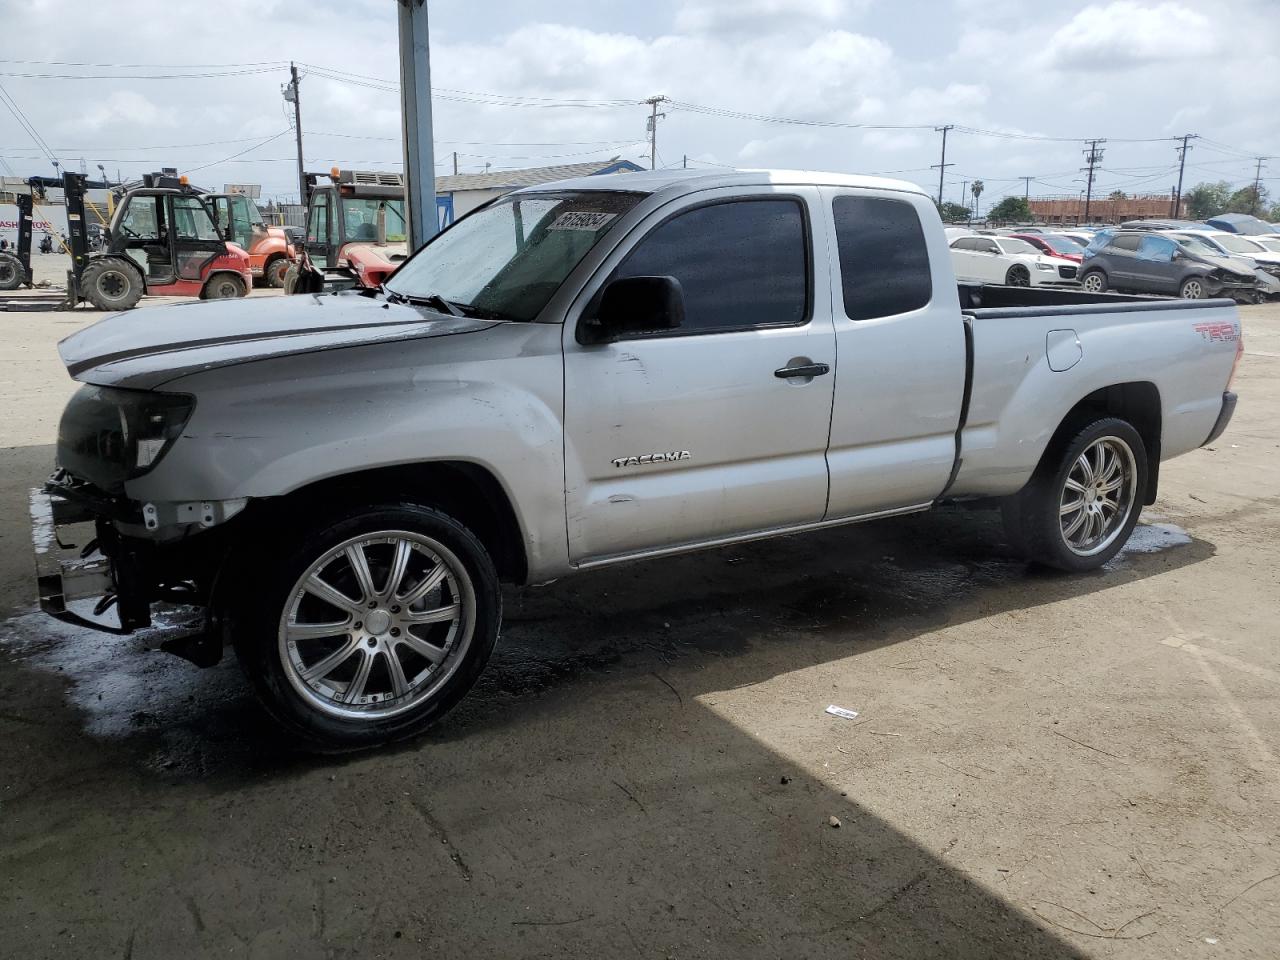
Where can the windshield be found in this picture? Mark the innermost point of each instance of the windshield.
(1198, 245)
(1272, 245)
(1012, 245)
(1063, 244)
(360, 219)
(1236, 244)
(508, 259)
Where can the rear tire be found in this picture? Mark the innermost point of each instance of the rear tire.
(1018, 276)
(1084, 500)
(11, 272)
(1095, 281)
(341, 689)
(224, 286)
(1192, 289)
(111, 284)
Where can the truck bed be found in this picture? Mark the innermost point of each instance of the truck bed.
(1183, 349)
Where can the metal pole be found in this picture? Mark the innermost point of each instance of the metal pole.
(653, 129)
(455, 163)
(942, 166)
(415, 101)
(1257, 188)
(1182, 165)
(297, 129)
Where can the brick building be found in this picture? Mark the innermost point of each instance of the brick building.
(1101, 210)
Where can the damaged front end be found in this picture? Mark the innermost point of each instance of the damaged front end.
(94, 543)
(93, 546)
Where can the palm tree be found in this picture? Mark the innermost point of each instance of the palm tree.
(976, 189)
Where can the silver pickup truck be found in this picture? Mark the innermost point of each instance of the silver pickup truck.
(585, 373)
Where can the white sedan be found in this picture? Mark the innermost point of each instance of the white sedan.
(1010, 261)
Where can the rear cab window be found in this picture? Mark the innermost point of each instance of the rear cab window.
(884, 260)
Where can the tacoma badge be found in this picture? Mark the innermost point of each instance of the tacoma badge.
(651, 458)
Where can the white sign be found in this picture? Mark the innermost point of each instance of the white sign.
(46, 218)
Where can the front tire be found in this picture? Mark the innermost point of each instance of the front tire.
(273, 273)
(1018, 276)
(111, 284)
(371, 627)
(1084, 500)
(11, 272)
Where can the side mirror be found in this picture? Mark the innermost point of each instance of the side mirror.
(634, 305)
(1178, 255)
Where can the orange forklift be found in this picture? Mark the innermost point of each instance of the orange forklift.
(269, 248)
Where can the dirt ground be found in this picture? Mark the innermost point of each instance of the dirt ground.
(1042, 765)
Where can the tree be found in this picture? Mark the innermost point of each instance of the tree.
(1117, 195)
(1245, 200)
(1274, 215)
(953, 212)
(1010, 208)
(976, 189)
(1207, 199)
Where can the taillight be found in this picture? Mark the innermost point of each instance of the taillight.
(1235, 364)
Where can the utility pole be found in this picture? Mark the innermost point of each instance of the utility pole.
(1026, 193)
(652, 129)
(1257, 187)
(685, 164)
(421, 216)
(292, 95)
(1092, 157)
(942, 166)
(1182, 164)
(455, 163)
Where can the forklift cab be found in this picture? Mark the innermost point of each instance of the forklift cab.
(357, 207)
(170, 233)
(239, 218)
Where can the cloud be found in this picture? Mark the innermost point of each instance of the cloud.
(743, 16)
(124, 109)
(1124, 33)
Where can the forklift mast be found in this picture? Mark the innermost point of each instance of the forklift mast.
(23, 201)
(73, 191)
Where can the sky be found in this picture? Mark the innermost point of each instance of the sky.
(140, 84)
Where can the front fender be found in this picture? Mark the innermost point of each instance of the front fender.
(493, 398)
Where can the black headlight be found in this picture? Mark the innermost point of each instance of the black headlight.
(108, 435)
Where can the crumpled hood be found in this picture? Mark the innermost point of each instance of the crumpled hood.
(146, 347)
(1241, 265)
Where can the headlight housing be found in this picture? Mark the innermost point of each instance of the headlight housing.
(1045, 266)
(108, 435)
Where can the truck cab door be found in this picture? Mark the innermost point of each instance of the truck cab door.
(900, 339)
(718, 428)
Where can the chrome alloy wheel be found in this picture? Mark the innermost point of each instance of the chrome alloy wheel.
(1092, 283)
(1098, 496)
(377, 625)
(1192, 290)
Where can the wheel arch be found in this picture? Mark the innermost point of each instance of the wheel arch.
(1136, 402)
(468, 492)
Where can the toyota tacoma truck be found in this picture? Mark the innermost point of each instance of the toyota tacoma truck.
(587, 373)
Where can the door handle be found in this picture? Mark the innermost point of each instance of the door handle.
(802, 370)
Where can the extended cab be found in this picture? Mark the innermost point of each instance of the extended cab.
(586, 373)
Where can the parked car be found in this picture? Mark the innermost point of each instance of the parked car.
(581, 374)
(1009, 260)
(1082, 237)
(1164, 224)
(1144, 262)
(1251, 249)
(1055, 245)
(1240, 223)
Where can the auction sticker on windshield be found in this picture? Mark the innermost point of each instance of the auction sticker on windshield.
(581, 220)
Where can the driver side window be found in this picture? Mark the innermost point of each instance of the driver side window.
(318, 226)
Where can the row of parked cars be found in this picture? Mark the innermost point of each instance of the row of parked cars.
(1177, 258)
